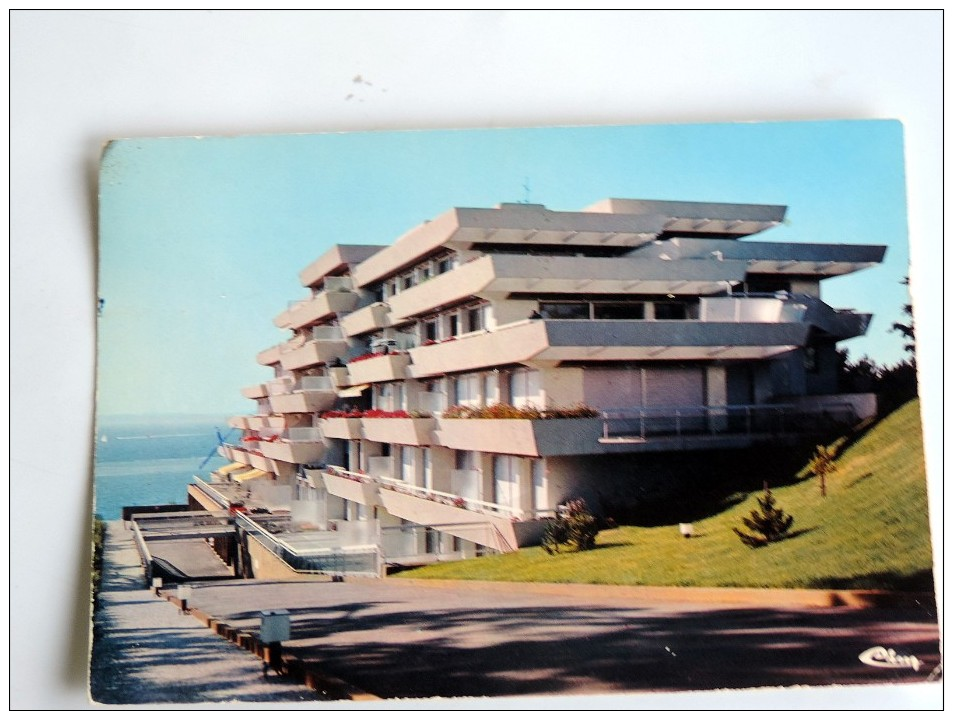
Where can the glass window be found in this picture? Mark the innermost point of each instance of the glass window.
(619, 311)
(475, 319)
(564, 310)
(670, 311)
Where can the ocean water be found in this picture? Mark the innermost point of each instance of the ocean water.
(150, 460)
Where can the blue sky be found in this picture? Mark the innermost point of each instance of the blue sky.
(202, 239)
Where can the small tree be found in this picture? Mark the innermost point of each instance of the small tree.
(768, 525)
(822, 464)
(574, 525)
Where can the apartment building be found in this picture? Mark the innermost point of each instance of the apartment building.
(441, 396)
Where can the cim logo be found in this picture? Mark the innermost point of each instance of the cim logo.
(888, 659)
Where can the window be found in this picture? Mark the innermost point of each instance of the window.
(564, 310)
(407, 281)
(475, 319)
(670, 311)
(444, 265)
(466, 389)
(430, 330)
(619, 311)
(454, 325)
(524, 387)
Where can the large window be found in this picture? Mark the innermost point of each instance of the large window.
(524, 388)
(564, 310)
(619, 311)
(670, 311)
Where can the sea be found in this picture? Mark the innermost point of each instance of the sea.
(146, 460)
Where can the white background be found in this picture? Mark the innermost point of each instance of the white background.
(80, 78)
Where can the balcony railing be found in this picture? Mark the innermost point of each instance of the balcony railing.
(643, 423)
(445, 497)
(346, 560)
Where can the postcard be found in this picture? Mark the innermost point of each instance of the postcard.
(509, 413)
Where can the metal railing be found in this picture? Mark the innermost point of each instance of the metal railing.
(364, 561)
(726, 419)
(144, 554)
(209, 491)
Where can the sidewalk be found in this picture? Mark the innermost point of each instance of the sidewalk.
(146, 651)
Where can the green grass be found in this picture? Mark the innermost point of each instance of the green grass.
(870, 531)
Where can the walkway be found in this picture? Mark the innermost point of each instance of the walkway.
(145, 651)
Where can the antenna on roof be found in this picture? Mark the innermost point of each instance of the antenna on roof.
(526, 191)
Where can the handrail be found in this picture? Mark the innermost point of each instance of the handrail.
(425, 493)
(144, 556)
(211, 492)
(721, 419)
(285, 551)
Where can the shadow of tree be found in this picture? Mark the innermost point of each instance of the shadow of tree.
(576, 649)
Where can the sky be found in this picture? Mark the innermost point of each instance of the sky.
(202, 239)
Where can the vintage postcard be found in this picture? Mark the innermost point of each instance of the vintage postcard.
(508, 413)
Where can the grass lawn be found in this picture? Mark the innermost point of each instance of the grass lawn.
(870, 531)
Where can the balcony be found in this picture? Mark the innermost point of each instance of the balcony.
(298, 445)
(505, 274)
(477, 521)
(340, 377)
(255, 391)
(351, 486)
(527, 438)
(326, 344)
(413, 431)
(269, 356)
(341, 427)
(367, 319)
(314, 394)
(379, 369)
(335, 260)
(238, 422)
(607, 340)
(233, 453)
(275, 422)
(321, 306)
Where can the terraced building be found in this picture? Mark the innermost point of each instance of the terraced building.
(441, 396)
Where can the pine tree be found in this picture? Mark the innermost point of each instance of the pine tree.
(822, 464)
(768, 525)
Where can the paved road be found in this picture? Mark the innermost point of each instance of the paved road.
(399, 639)
(146, 652)
(414, 639)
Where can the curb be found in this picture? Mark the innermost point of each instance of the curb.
(730, 597)
(289, 666)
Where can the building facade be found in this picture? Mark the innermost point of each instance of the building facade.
(441, 396)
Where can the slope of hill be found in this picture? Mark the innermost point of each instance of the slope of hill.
(870, 531)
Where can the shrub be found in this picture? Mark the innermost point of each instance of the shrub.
(767, 525)
(505, 411)
(574, 525)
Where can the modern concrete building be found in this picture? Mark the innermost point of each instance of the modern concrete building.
(441, 396)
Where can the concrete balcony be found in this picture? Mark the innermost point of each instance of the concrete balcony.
(295, 452)
(313, 352)
(275, 422)
(234, 454)
(336, 260)
(498, 274)
(269, 356)
(415, 431)
(351, 486)
(379, 369)
(341, 427)
(528, 438)
(303, 401)
(238, 422)
(255, 391)
(494, 530)
(608, 340)
(340, 377)
(366, 319)
(783, 308)
(320, 306)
